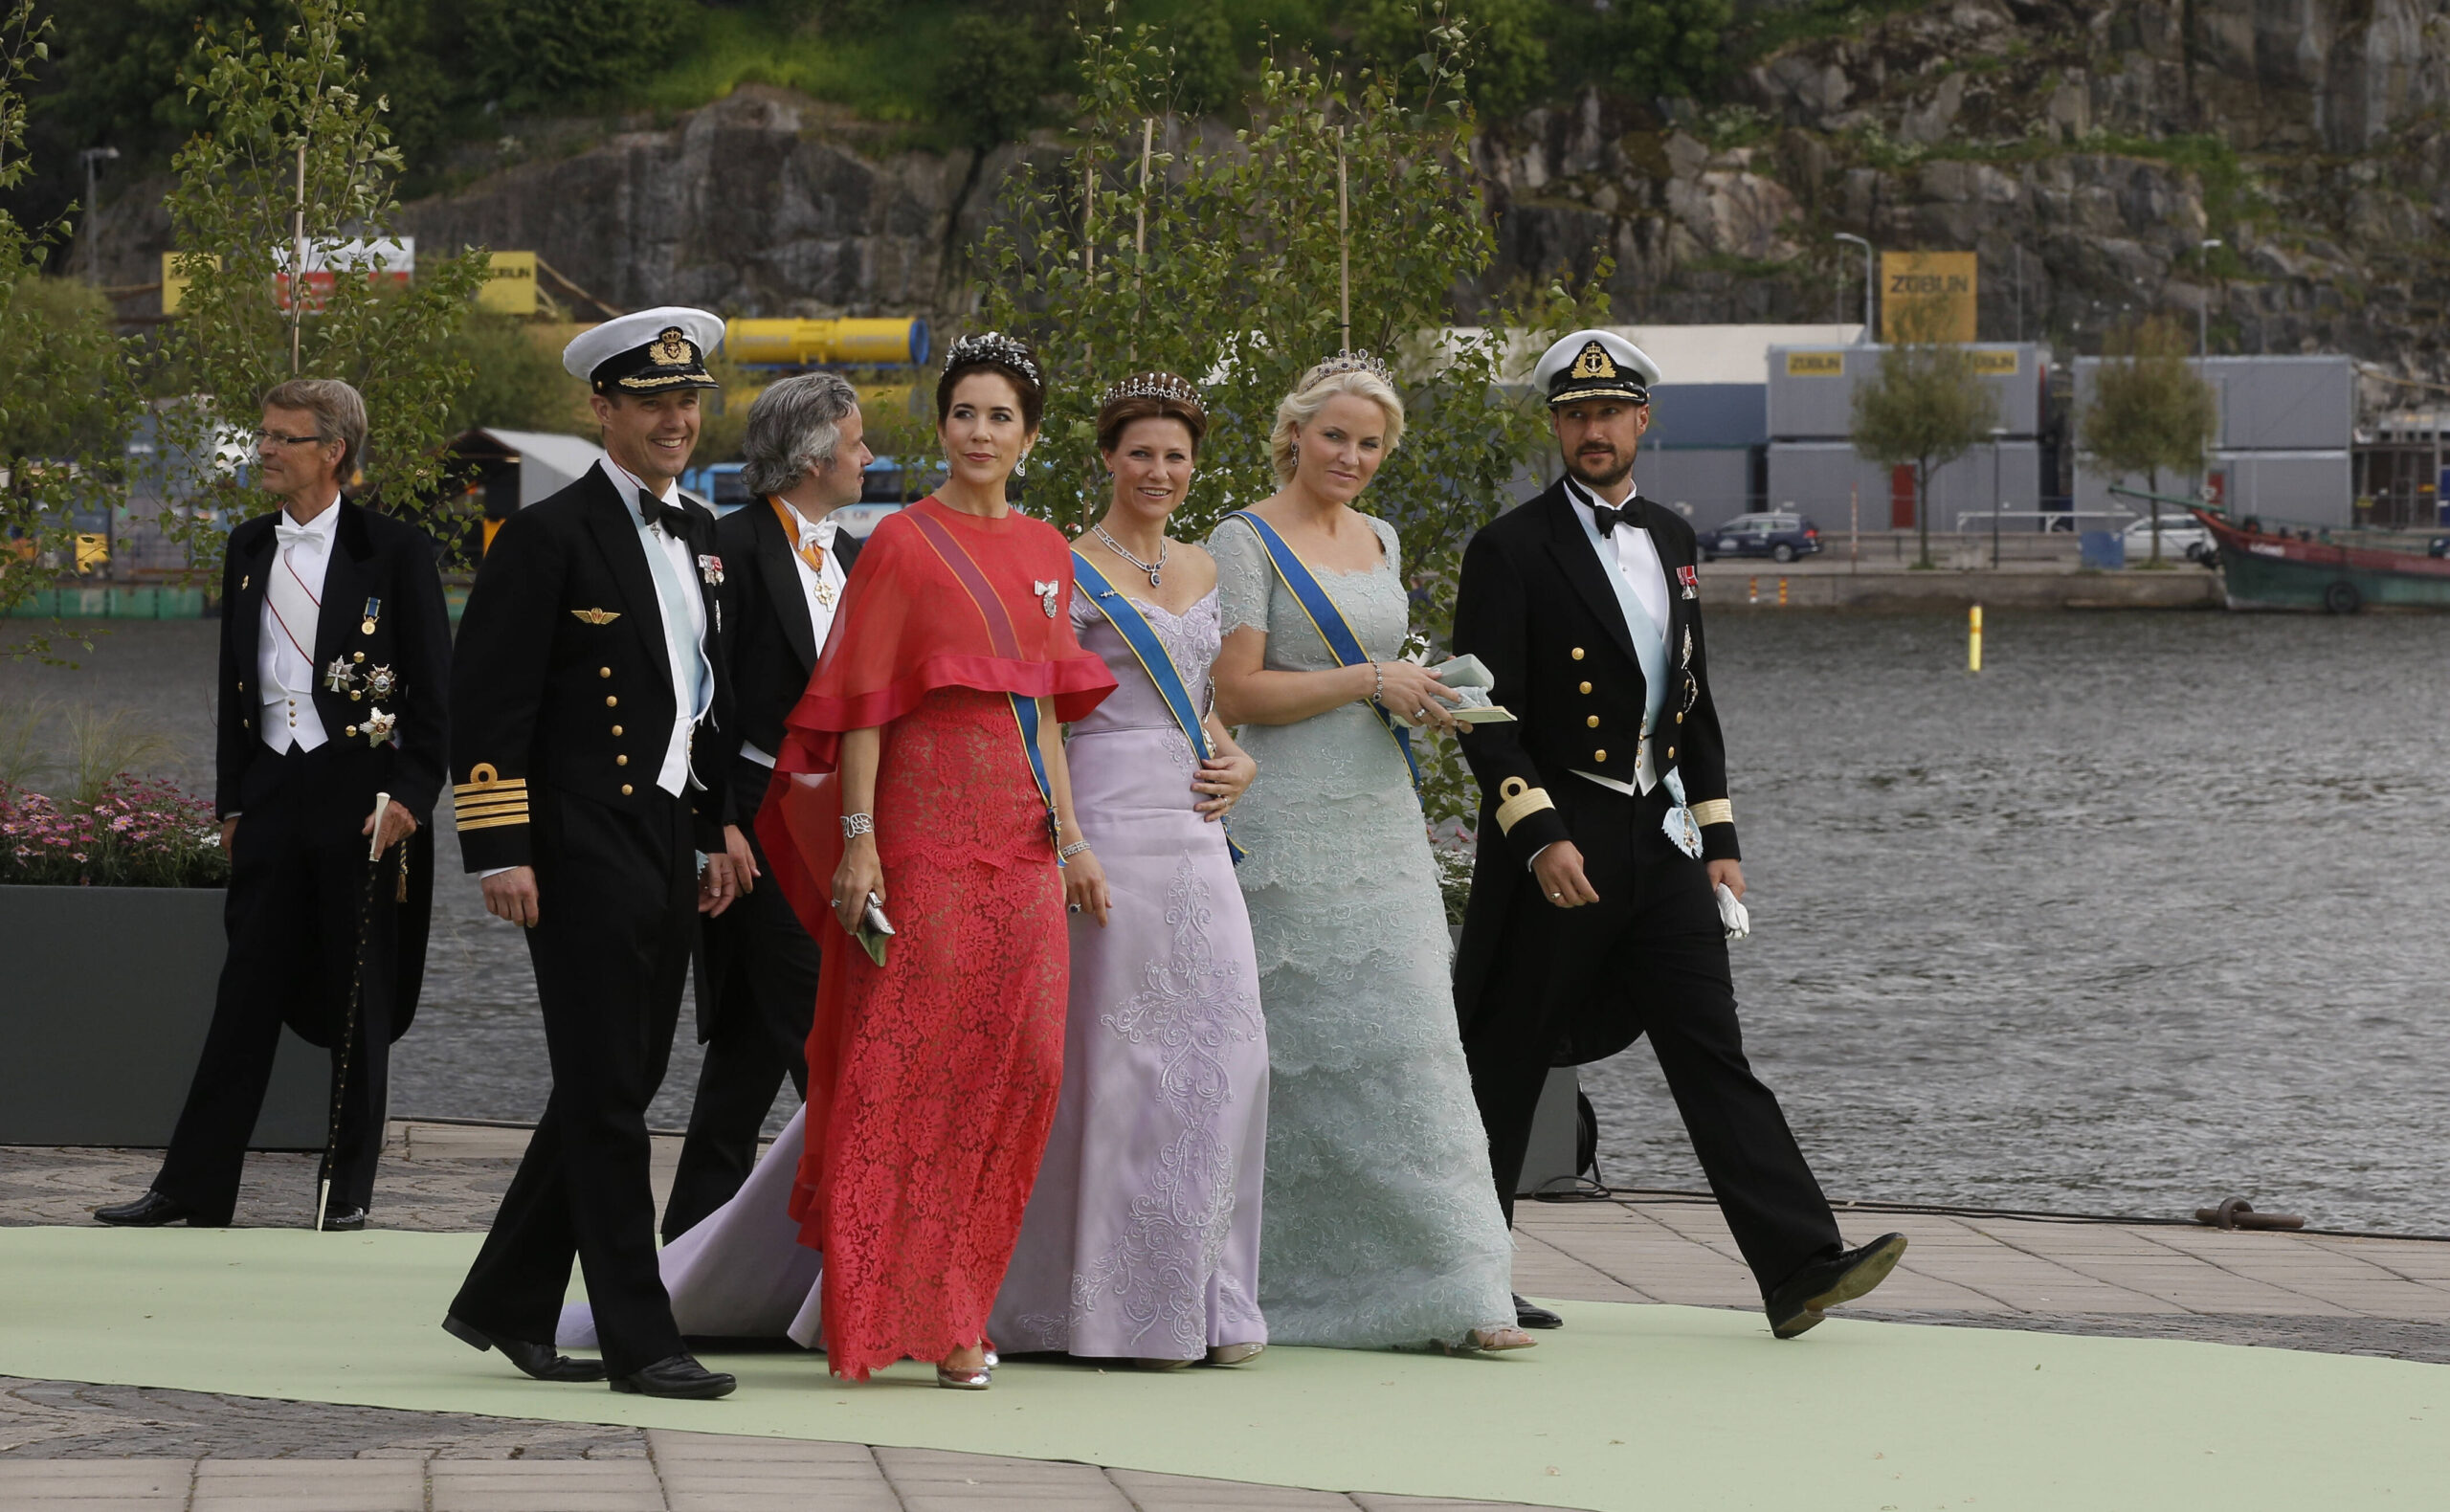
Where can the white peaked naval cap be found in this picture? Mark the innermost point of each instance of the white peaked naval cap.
(1595, 365)
(646, 351)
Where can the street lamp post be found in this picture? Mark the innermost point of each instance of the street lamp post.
(1846, 236)
(1998, 433)
(93, 239)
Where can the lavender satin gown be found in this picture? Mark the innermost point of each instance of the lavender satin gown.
(1142, 1238)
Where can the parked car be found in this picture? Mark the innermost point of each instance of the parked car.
(2183, 539)
(1781, 538)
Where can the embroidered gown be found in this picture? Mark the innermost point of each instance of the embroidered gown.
(1143, 1235)
(1383, 1226)
(933, 1077)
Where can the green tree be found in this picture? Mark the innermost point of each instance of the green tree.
(993, 77)
(298, 151)
(1208, 68)
(1221, 263)
(537, 54)
(2149, 410)
(65, 401)
(515, 382)
(1926, 407)
(1648, 49)
(1507, 66)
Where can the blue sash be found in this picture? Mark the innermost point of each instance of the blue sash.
(1327, 620)
(1133, 627)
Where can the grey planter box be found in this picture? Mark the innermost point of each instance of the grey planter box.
(104, 1007)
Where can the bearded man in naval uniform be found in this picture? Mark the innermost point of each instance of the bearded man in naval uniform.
(1605, 829)
(588, 702)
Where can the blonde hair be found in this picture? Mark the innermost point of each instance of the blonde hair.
(1300, 407)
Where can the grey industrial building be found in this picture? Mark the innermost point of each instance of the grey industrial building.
(1813, 466)
(2282, 450)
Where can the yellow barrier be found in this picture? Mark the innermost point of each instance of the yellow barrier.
(800, 343)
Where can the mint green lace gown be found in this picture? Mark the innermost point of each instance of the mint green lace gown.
(1381, 1221)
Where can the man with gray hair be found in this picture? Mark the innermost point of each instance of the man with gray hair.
(335, 662)
(802, 458)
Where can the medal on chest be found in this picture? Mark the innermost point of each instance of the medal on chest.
(1683, 831)
(1046, 592)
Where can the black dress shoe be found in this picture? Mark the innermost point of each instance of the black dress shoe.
(345, 1220)
(150, 1211)
(1532, 1315)
(678, 1376)
(538, 1360)
(1801, 1298)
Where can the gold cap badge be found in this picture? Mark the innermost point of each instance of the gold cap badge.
(672, 349)
(1593, 362)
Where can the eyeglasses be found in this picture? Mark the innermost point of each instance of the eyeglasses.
(276, 438)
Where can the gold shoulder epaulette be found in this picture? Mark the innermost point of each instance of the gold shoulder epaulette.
(486, 801)
(1518, 800)
(1714, 810)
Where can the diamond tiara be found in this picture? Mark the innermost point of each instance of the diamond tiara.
(994, 346)
(1152, 385)
(1347, 362)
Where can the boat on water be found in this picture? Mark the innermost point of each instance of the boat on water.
(2278, 566)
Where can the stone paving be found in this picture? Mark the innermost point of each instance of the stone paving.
(74, 1447)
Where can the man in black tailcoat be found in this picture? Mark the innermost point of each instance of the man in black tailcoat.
(335, 652)
(1606, 832)
(587, 702)
(802, 458)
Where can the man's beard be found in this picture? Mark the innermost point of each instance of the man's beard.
(1619, 465)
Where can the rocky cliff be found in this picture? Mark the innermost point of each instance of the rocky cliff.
(2085, 149)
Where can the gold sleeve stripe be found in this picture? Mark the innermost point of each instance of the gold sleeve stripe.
(516, 800)
(1717, 811)
(493, 823)
(463, 813)
(492, 785)
(1517, 801)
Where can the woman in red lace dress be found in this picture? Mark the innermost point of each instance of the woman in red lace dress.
(933, 1076)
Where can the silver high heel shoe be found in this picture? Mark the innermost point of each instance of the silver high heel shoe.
(975, 1380)
(1234, 1354)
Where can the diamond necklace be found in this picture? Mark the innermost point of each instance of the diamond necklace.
(1116, 546)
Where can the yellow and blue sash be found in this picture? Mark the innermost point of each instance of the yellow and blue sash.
(1155, 660)
(1327, 620)
(1006, 644)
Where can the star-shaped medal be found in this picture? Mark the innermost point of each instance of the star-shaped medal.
(377, 728)
(338, 676)
(381, 681)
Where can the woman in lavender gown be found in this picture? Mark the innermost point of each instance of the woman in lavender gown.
(1142, 1236)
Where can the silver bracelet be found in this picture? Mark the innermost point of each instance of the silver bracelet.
(1377, 684)
(1072, 849)
(855, 824)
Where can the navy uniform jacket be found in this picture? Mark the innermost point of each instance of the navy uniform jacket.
(1535, 605)
(563, 680)
(376, 561)
(769, 642)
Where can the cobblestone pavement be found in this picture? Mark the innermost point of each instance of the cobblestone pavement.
(65, 1445)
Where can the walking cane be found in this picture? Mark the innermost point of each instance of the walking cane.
(348, 1023)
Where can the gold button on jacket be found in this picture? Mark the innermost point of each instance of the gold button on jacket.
(611, 701)
(1586, 687)
(1592, 722)
(604, 672)
(621, 761)
(1598, 755)
(1577, 653)
(624, 789)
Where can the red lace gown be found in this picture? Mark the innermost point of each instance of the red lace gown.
(932, 1078)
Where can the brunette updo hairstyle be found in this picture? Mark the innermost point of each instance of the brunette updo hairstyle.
(1150, 396)
(1005, 356)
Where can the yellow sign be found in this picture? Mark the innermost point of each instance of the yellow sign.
(1995, 362)
(1815, 365)
(511, 289)
(1926, 295)
(174, 287)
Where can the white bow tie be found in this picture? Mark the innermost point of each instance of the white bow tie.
(289, 535)
(819, 535)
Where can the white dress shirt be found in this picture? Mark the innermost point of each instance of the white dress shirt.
(674, 775)
(1630, 553)
(285, 657)
(823, 591)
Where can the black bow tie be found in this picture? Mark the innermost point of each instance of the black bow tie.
(1607, 519)
(673, 517)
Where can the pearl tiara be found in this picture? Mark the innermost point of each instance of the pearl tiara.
(1152, 385)
(994, 346)
(1349, 361)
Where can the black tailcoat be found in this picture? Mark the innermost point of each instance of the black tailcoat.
(1536, 607)
(757, 967)
(1539, 985)
(563, 707)
(298, 875)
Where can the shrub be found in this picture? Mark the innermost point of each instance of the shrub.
(137, 832)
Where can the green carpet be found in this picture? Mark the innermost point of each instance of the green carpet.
(1629, 1407)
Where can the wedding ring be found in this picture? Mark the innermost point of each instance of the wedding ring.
(1556, 895)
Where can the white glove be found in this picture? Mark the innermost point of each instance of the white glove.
(1732, 914)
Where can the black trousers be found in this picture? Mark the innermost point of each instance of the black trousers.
(1653, 941)
(297, 883)
(617, 911)
(763, 968)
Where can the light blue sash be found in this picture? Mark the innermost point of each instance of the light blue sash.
(1327, 619)
(1155, 660)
